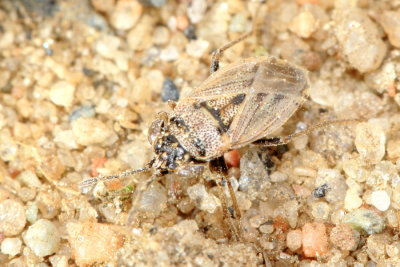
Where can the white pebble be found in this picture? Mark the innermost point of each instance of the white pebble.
(12, 217)
(170, 53)
(107, 46)
(126, 14)
(29, 178)
(380, 200)
(359, 39)
(197, 48)
(43, 238)
(11, 246)
(370, 142)
(352, 201)
(89, 131)
(278, 177)
(202, 199)
(304, 24)
(62, 94)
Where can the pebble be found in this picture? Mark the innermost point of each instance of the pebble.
(376, 247)
(344, 237)
(196, 10)
(278, 177)
(12, 217)
(320, 210)
(365, 220)
(90, 131)
(107, 46)
(197, 48)
(393, 250)
(62, 93)
(26, 194)
(32, 212)
(48, 203)
(169, 91)
(393, 149)
(390, 21)
(154, 199)
(154, 3)
(140, 38)
(83, 111)
(380, 200)
(190, 32)
(202, 199)
(59, 261)
(314, 240)
(320, 191)
(266, 228)
(335, 183)
(126, 14)
(93, 242)
(382, 79)
(161, 35)
(359, 39)
(11, 246)
(232, 159)
(43, 238)
(304, 24)
(103, 5)
(170, 53)
(294, 239)
(30, 179)
(253, 174)
(238, 23)
(352, 200)
(370, 142)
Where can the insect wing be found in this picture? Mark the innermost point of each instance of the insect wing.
(276, 92)
(232, 80)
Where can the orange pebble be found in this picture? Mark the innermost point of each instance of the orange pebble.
(315, 240)
(182, 22)
(114, 184)
(232, 158)
(96, 163)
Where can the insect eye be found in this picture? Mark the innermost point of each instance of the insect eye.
(155, 131)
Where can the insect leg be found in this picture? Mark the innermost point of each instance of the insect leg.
(218, 166)
(216, 55)
(283, 140)
(226, 214)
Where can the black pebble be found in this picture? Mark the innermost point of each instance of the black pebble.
(169, 91)
(320, 191)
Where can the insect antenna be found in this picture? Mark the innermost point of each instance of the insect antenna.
(95, 180)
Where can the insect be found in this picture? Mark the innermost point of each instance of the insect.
(240, 104)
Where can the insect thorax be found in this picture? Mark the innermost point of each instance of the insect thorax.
(201, 128)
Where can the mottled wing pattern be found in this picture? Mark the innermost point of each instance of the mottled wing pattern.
(229, 81)
(277, 91)
(270, 91)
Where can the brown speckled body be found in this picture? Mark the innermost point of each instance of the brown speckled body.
(237, 105)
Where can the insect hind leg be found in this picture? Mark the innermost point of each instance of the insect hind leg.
(283, 140)
(234, 222)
